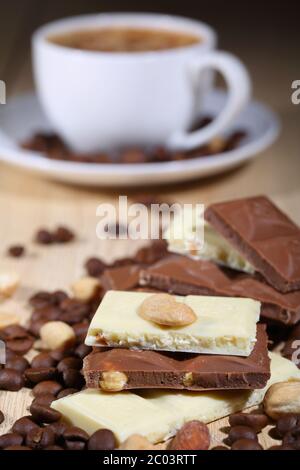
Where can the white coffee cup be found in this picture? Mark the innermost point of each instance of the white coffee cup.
(102, 100)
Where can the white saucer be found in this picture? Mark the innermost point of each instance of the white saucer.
(22, 117)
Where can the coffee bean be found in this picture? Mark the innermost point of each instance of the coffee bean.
(73, 433)
(40, 374)
(63, 235)
(58, 296)
(75, 445)
(69, 363)
(257, 421)
(220, 448)
(10, 439)
(49, 313)
(14, 448)
(103, 439)
(44, 400)
(11, 380)
(14, 332)
(292, 438)
(73, 378)
(287, 423)
(41, 299)
(44, 414)
(246, 444)
(241, 432)
(83, 350)
(44, 237)
(60, 354)
(48, 387)
(74, 311)
(24, 425)
(80, 330)
(16, 251)
(43, 360)
(40, 437)
(53, 448)
(58, 428)
(17, 363)
(95, 267)
(1, 417)
(66, 392)
(20, 345)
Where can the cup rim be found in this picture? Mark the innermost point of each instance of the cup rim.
(158, 20)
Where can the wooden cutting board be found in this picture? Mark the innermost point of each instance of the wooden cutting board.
(56, 267)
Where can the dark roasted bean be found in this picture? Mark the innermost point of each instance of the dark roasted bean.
(257, 421)
(41, 299)
(40, 437)
(80, 330)
(20, 345)
(246, 444)
(63, 235)
(16, 251)
(44, 237)
(69, 363)
(47, 387)
(241, 432)
(44, 414)
(43, 360)
(103, 439)
(35, 326)
(44, 400)
(75, 445)
(24, 425)
(287, 423)
(73, 378)
(95, 267)
(40, 374)
(18, 363)
(59, 354)
(83, 350)
(11, 380)
(66, 392)
(73, 433)
(10, 439)
(58, 428)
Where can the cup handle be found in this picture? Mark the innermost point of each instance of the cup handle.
(239, 91)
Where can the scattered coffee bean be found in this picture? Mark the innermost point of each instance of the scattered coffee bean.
(83, 350)
(16, 251)
(20, 346)
(75, 434)
(73, 378)
(10, 439)
(44, 414)
(63, 235)
(44, 400)
(60, 354)
(103, 439)
(1, 417)
(43, 360)
(241, 432)
(257, 421)
(66, 392)
(23, 425)
(58, 428)
(292, 438)
(11, 380)
(17, 363)
(287, 423)
(14, 448)
(40, 374)
(69, 363)
(48, 387)
(40, 437)
(246, 444)
(95, 267)
(75, 445)
(44, 237)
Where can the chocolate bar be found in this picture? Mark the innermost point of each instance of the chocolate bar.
(122, 278)
(150, 369)
(185, 276)
(264, 235)
(157, 414)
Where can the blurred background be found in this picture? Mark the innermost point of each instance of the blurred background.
(264, 35)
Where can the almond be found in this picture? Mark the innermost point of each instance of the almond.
(282, 398)
(57, 334)
(137, 442)
(8, 284)
(112, 381)
(193, 435)
(163, 309)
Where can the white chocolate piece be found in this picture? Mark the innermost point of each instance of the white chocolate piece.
(215, 248)
(157, 415)
(223, 325)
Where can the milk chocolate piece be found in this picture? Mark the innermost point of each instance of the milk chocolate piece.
(264, 235)
(183, 276)
(150, 369)
(123, 278)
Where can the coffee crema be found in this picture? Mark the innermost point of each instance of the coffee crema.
(124, 39)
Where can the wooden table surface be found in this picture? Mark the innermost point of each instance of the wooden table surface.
(27, 202)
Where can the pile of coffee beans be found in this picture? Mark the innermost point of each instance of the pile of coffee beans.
(51, 146)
